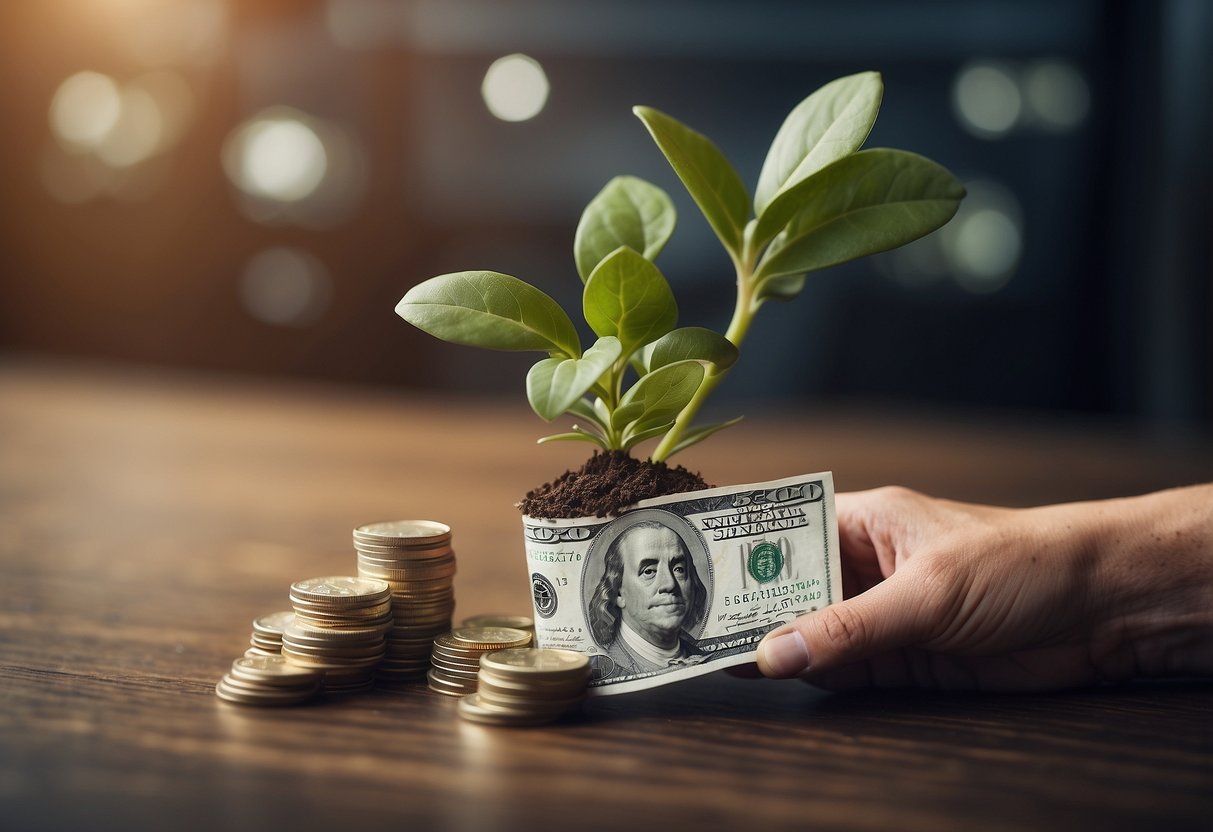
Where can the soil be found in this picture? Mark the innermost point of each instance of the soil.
(608, 482)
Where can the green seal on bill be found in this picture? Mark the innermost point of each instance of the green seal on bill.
(766, 562)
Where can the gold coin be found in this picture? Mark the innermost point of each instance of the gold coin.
(340, 590)
(228, 692)
(272, 624)
(490, 638)
(492, 697)
(460, 670)
(304, 607)
(514, 622)
(388, 555)
(271, 670)
(440, 684)
(545, 661)
(442, 572)
(533, 686)
(472, 708)
(405, 531)
(302, 633)
(368, 652)
(271, 691)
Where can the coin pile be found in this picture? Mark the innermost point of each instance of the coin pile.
(267, 680)
(527, 687)
(267, 633)
(456, 656)
(340, 628)
(415, 559)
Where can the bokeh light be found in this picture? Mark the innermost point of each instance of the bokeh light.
(276, 156)
(1056, 96)
(984, 241)
(986, 99)
(175, 101)
(515, 88)
(285, 287)
(136, 134)
(84, 110)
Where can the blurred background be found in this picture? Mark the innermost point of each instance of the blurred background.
(248, 186)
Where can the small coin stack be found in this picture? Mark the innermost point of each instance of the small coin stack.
(267, 680)
(456, 656)
(497, 619)
(267, 633)
(340, 628)
(527, 687)
(415, 559)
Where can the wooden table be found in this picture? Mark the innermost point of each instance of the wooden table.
(145, 519)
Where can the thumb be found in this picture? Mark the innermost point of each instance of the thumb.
(886, 617)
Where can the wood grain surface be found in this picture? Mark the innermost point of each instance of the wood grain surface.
(145, 519)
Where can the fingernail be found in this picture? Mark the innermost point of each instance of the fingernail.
(785, 654)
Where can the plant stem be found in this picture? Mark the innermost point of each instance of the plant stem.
(743, 315)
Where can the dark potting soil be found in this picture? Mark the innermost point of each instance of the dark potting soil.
(608, 482)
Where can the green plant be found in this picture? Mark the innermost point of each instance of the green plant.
(820, 201)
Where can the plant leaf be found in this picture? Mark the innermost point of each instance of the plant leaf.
(489, 309)
(637, 435)
(695, 435)
(831, 123)
(583, 409)
(709, 177)
(574, 436)
(690, 342)
(660, 395)
(627, 212)
(870, 201)
(783, 288)
(554, 385)
(627, 296)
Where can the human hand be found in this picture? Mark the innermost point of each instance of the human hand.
(956, 596)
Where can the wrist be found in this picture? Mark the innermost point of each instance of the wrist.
(1151, 583)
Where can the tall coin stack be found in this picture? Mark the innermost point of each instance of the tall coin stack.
(415, 559)
(527, 687)
(456, 656)
(267, 633)
(340, 627)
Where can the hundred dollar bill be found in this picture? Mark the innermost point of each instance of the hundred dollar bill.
(685, 584)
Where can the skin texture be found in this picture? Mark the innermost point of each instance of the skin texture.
(656, 585)
(956, 596)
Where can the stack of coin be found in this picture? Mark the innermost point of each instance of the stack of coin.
(268, 680)
(527, 687)
(267, 633)
(340, 628)
(416, 560)
(500, 619)
(456, 656)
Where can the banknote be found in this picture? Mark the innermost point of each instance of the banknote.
(683, 585)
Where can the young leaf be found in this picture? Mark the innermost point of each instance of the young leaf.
(554, 385)
(831, 123)
(636, 435)
(627, 212)
(489, 309)
(709, 177)
(627, 296)
(690, 342)
(696, 435)
(574, 436)
(785, 287)
(660, 395)
(871, 201)
(584, 410)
